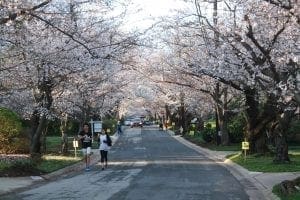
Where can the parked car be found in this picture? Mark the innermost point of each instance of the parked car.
(127, 122)
(136, 123)
(148, 123)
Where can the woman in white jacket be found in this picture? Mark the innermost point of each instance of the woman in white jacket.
(105, 143)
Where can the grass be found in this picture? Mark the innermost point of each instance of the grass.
(276, 191)
(53, 144)
(295, 150)
(52, 163)
(231, 147)
(265, 163)
(26, 167)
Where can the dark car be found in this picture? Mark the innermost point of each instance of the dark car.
(147, 123)
(136, 123)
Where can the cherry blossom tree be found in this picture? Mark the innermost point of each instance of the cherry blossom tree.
(61, 58)
(256, 55)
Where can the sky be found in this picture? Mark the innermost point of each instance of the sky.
(143, 13)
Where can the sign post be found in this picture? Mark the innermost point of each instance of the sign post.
(75, 145)
(173, 126)
(92, 129)
(96, 127)
(245, 147)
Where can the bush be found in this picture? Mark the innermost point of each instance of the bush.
(294, 132)
(235, 129)
(11, 138)
(22, 167)
(54, 128)
(208, 134)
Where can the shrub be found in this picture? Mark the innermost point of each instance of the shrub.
(294, 131)
(54, 128)
(23, 167)
(11, 138)
(235, 129)
(208, 133)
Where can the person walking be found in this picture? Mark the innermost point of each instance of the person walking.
(85, 137)
(105, 143)
(119, 128)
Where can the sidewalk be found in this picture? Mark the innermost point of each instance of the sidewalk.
(263, 182)
(10, 184)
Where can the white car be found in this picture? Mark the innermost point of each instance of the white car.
(127, 123)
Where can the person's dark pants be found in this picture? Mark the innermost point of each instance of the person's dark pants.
(119, 130)
(103, 156)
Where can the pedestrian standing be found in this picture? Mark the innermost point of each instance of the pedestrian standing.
(119, 128)
(105, 143)
(86, 143)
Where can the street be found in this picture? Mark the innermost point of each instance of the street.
(145, 164)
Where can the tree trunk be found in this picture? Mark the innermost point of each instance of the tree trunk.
(64, 146)
(258, 118)
(200, 124)
(37, 130)
(258, 144)
(182, 113)
(221, 116)
(222, 121)
(44, 100)
(44, 139)
(282, 150)
(218, 136)
(64, 137)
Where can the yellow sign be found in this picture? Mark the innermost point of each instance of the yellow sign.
(245, 145)
(108, 130)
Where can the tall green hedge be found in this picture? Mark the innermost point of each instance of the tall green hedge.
(11, 138)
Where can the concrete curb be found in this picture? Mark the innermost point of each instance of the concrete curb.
(252, 186)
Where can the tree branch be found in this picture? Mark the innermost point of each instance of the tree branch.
(13, 16)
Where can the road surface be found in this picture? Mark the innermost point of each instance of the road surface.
(145, 164)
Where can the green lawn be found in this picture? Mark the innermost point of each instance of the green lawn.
(295, 196)
(26, 167)
(52, 163)
(265, 163)
(53, 144)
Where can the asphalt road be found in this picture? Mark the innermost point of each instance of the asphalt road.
(145, 164)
